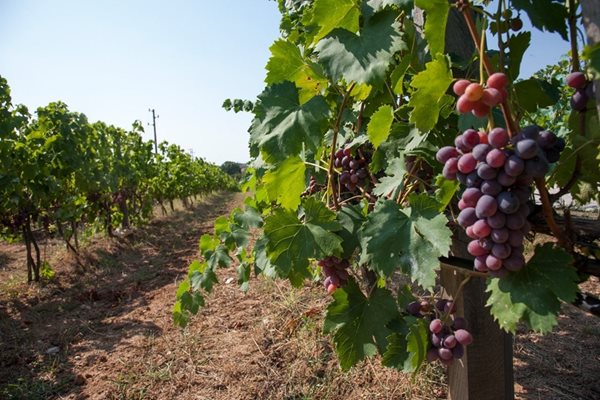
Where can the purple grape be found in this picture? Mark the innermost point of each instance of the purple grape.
(495, 158)
(475, 249)
(530, 132)
(497, 221)
(484, 171)
(498, 137)
(493, 263)
(552, 155)
(467, 163)
(345, 177)
(515, 238)
(486, 243)
(514, 166)
(546, 140)
(473, 180)
(481, 229)
(486, 206)
(505, 180)
(480, 151)
(491, 187)
(461, 145)
(470, 196)
(449, 342)
(500, 235)
(479, 265)
(537, 167)
(526, 149)
(354, 164)
(576, 80)
(327, 282)
(441, 304)
(463, 337)
(467, 217)
(560, 144)
(436, 326)
(458, 351)
(579, 100)
(501, 250)
(445, 354)
(459, 323)
(470, 137)
(462, 178)
(346, 161)
(414, 308)
(508, 202)
(515, 262)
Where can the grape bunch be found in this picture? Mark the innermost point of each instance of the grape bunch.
(477, 99)
(584, 90)
(336, 272)
(354, 169)
(498, 173)
(313, 187)
(449, 335)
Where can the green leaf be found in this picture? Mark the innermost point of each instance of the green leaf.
(431, 85)
(358, 322)
(397, 76)
(351, 218)
(413, 239)
(391, 184)
(250, 218)
(446, 189)
(550, 15)
(377, 5)
(292, 242)
(282, 125)
(417, 345)
(362, 58)
(517, 45)
(328, 15)
(285, 183)
(533, 94)
(534, 293)
(288, 64)
(380, 124)
(435, 23)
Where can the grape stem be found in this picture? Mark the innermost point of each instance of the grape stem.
(563, 241)
(336, 130)
(504, 106)
(457, 296)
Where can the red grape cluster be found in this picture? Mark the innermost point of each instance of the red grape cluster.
(336, 272)
(354, 169)
(584, 90)
(498, 174)
(478, 99)
(449, 335)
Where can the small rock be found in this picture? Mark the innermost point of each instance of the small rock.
(79, 380)
(229, 280)
(53, 350)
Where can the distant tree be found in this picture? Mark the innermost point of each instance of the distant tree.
(232, 168)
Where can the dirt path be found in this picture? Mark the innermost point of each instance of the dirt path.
(106, 332)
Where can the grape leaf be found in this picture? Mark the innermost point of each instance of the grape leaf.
(390, 185)
(328, 15)
(249, 218)
(292, 241)
(282, 125)
(550, 15)
(533, 94)
(359, 323)
(435, 23)
(446, 189)
(351, 218)
(285, 183)
(534, 293)
(431, 85)
(408, 347)
(362, 58)
(380, 124)
(517, 45)
(378, 5)
(413, 238)
(288, 64)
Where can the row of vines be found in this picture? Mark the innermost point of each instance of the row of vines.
(58, 171)
(378, 115)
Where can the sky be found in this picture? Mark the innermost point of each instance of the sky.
(115, 59)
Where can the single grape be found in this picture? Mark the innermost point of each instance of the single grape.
(498, 137)
(496, 158)
(450, 307)
(441, 304)
(576, 80)
(473, 180)
(505, 180)
(491, 97)
(514, 166)
(480, 151)
(515, 262)
(501, 250)
(331, 288)
(354, 164)
(475, 249)
(486, 243)
(473, 92)
(486, 172)
(490, 187)
(345, 177)
(462, 205)
(460, 86)
(347, 151)
(339, 153)
(515, 238)
(537, 167)
(497, 80)
(445, 153)
(461, 145)
(515, 221)
(546, 140)
(458, 351)
(459, 323)
(449, 342)
(481, 228)
(486, 206)
(526, 149)
(463, 337)
(354, 178)
(436, 326)
(530, 132)
(500, 235)
(480, 110)
(516, 24)
(462, 178)
(467, 217)
(483, 138)
(508, 202)
(579, 100)
(467, 163)
(414, 308)
(470, 137)
(493, 263)
(464, 105)
(497, 221)
(436, 340)
(470, 196)
(445, 354)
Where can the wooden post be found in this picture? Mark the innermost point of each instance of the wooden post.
(591, 21)
(486, 370)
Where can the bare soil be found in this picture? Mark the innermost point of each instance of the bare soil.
(102, 329)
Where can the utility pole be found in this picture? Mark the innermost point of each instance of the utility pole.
(154, 116)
